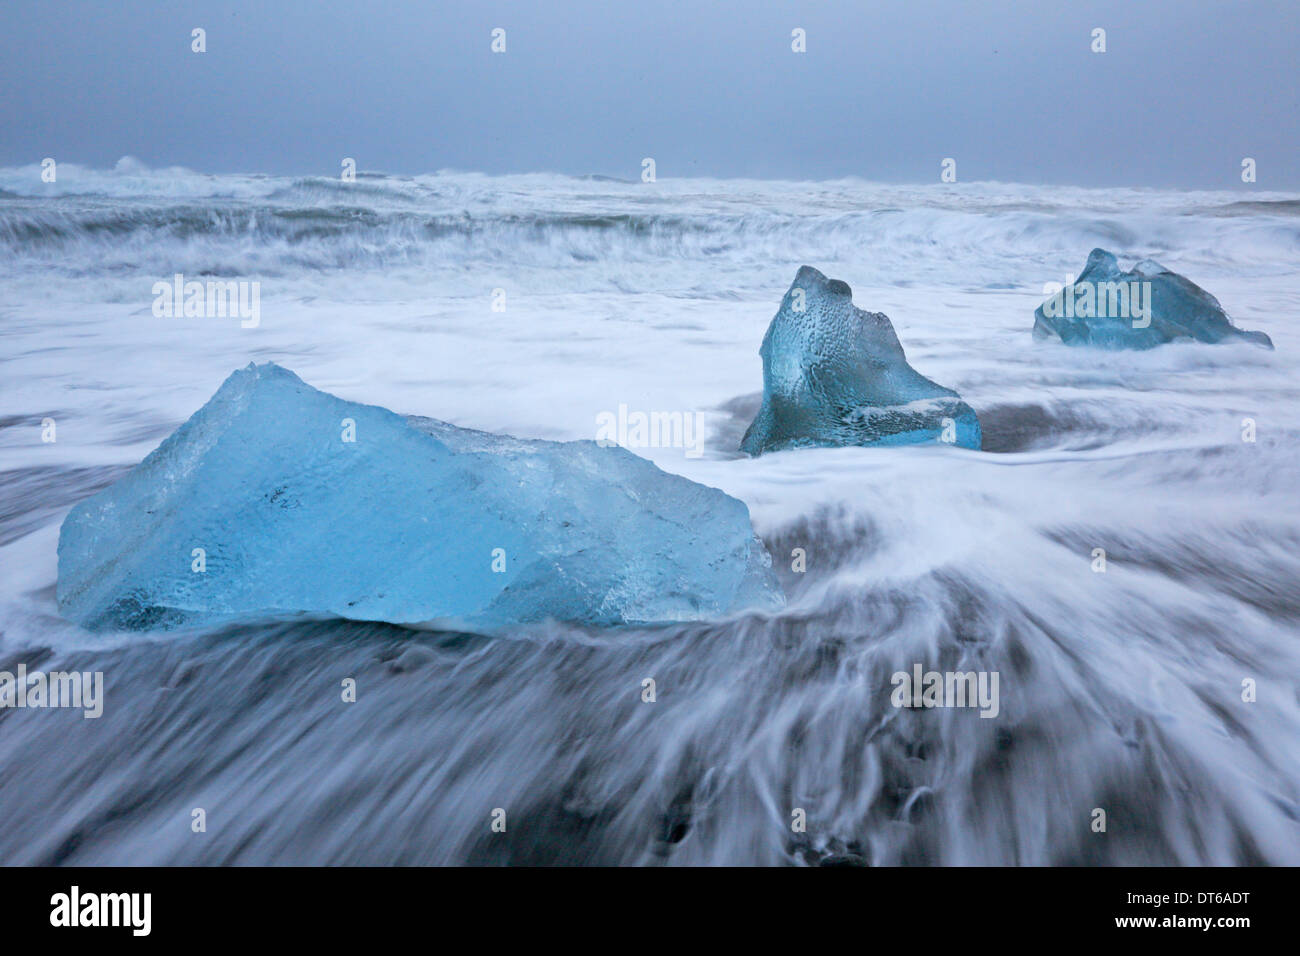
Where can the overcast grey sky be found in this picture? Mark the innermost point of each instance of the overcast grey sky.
(886, 89)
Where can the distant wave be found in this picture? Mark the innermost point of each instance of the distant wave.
(156, 222)
(1268, 207)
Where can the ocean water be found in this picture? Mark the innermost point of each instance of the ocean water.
(1119, 691)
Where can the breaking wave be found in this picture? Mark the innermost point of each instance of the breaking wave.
(92, 222)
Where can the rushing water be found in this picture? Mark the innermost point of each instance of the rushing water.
(1120, 691)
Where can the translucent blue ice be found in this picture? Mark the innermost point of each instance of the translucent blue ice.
(836, 375)
(259, 504)
(1140, 309)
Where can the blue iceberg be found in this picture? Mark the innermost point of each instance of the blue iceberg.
(836, 375)
(1139, 309)
(278, 498)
